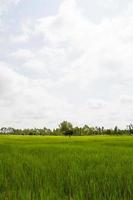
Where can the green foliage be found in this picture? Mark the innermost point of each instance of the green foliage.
(62, 168)
(67, 129)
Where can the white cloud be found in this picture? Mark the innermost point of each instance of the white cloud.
(20, 38)
(4, 4)
(82, 71)
(127, 99)
(8, 81)
(25, 101)
(22, 54)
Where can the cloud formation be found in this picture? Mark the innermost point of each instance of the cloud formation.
(71, 66)
(4, 4)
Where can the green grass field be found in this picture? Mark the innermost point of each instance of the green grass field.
(63, 168)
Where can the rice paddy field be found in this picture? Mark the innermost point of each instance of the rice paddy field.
(66, 168)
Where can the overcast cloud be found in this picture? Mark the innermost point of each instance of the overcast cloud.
(66, 60)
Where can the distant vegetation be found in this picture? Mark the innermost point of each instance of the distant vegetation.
(66, 128)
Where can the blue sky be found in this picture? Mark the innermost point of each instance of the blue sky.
(66, 60)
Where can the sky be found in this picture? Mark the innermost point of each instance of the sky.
(66, 60)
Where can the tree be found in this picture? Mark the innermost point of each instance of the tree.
(66, 128)
(130, 127)
(116, 130)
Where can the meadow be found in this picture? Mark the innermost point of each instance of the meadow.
(66, 168)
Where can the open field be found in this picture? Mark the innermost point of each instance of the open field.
(66, 168)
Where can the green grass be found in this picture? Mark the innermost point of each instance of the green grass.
(63, 168)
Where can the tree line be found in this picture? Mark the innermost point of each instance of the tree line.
(66, 128)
